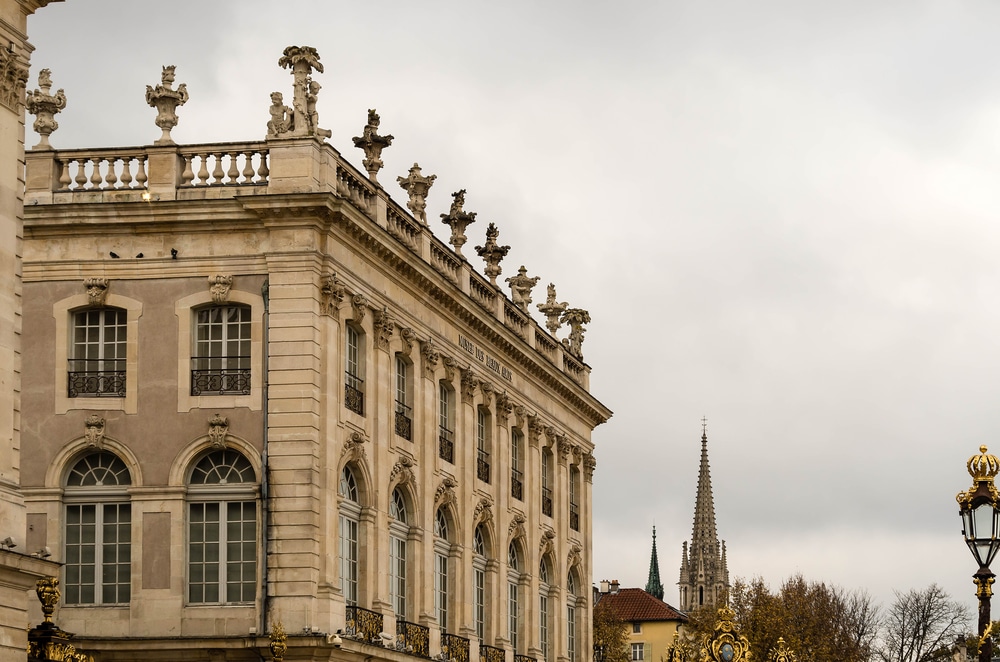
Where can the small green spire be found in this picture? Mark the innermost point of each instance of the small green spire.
(653, 585)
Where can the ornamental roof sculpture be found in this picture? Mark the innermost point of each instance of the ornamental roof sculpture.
(492, 253)
(166, 100)
(552, 310)
(372, 144)
(302, 119)
(458, 219)
(417, 186)
(520, 288)
(44, 105)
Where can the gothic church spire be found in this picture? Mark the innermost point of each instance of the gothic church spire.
(704, 576)
(653, 585)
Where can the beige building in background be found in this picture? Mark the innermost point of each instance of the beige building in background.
(263, 392)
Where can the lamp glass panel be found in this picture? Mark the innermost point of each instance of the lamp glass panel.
(982, 521)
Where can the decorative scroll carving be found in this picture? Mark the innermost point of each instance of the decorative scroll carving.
(97, 290)
(469, 384)
(372, 144)
(565, 447)
(431, 357)
(552, 310)
(13, 79)
(520, 288)
(520, 414)
(385, 324)
(403, 470)
(574, 558)
(504, 407)
(458, 219)
(417, 186)
(576, 318)
(546, 544)
(354, 448)
(492, 253)
(359, 305)
(93, 431)
(219, 287)
(302, 119)
(218, 428)
(166, 100)
(332, 292)
(589, 464)
(408, 336)
(483, 512)
(445, 493)
(487, 390)
(44, 106)
(516, 527)
(449, 368)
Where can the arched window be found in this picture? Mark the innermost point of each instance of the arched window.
(98, 568)
(398, 532)
(442, 549)
(543, 608)
(571, 625)
(350, 517)
(479, 582)
(98, 352)
(220, 364)
(222, 529)
(513, 590)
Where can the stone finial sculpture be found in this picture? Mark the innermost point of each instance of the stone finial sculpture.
(166, 100)
(281, 116)
(44, 106)
(303, 120)
(552, 310)
(492, 253)
(372, 144)
(576, 318)
(417, 185)
(520, 288)
(458, 219)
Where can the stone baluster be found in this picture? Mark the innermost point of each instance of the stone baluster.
(95, 175)
(234, 171)
(126, 172)
(140, 171)
(247, 167)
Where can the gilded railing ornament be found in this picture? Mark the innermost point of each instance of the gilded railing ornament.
(492, 253)
(781, 652)
(278, 642)
(47, 590)
(676, 651)
(725, 644)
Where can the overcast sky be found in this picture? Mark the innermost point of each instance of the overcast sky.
(782, 216)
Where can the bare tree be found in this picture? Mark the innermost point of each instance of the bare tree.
(922, 626)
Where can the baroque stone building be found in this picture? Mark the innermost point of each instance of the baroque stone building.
(704, 575)
(270, 408)
(20, 565)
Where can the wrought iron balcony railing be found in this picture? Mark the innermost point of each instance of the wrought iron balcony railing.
(483, 466)
(491, 654)
(516, 485)
(413, 639)
(96, 378)
(523, 658)
(404, 424)
(454, 648)
(363, 624)
(446, 447)
(354, 397)
(210, 377)
(574, 517)
(547, 501)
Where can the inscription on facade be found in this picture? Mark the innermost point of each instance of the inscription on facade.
(480, 355)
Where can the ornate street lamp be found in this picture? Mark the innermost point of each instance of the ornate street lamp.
(980, 510)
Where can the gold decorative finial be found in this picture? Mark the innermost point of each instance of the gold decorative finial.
(983, 468)
(278, 645)
(47, 590)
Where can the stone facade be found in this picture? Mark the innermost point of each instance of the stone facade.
(288, 403)
(20, 565)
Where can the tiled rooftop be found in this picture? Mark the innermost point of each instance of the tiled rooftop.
(635, 605)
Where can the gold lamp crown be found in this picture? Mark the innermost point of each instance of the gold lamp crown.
(983, 466)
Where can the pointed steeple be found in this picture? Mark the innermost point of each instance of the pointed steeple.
(653, 585)
(704, 575)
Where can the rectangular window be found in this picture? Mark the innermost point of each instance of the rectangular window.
(221, 361)
(397, 575)
(479, 599)
(543, 625)
(98, 554)
(222, 552)
(404, 420)
(546, 481)
(571, 631)
(349, 559)
(482, 445)
(637, 628)
(441, 590)
(637, 652)
(516, 477)
(97, 366)
(354, 396)
(512, 614)
(446, 426)
(574, 508)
